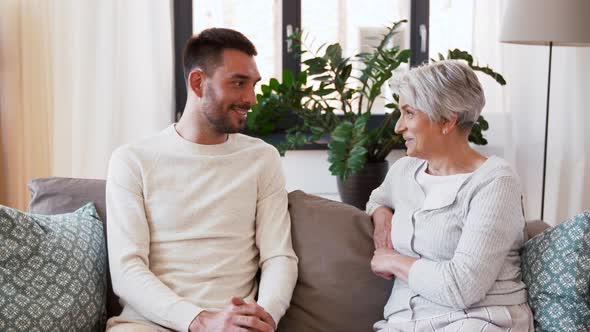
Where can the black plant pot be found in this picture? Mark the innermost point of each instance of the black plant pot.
(357, 188)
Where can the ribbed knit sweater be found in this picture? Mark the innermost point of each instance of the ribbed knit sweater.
(467, 244)
(189, 225)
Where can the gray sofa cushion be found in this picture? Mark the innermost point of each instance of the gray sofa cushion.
(336, 290)
(61, 195)
(534, 228)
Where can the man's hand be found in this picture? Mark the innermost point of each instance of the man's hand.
(382, 222)
(239, 316)
(382, 261)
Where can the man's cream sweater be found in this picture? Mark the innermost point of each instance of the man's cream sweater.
(189, 225)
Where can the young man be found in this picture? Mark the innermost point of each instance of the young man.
(196, 210)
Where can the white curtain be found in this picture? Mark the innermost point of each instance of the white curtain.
(518, 115)
(78, 79)
(114, 70)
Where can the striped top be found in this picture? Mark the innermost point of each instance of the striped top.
(467, 242)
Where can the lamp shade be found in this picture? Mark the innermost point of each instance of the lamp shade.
(538, 22)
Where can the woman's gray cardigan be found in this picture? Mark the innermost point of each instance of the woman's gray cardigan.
(467, 245)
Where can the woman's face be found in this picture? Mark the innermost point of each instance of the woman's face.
(422, 136)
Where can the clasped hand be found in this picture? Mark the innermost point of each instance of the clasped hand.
(237, 317)
(381, 264)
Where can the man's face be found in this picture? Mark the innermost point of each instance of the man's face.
(229, 92)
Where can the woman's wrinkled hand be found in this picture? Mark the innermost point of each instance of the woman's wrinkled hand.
(381, 264)
(382, 218)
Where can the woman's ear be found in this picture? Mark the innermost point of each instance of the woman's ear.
(196, 79)
(448, 125)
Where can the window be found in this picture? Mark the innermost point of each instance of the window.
(268, 23)
(264, 31)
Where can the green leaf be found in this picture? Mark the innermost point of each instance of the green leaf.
(323, 78)
(288, 77)
(334, 53)
(458, 54)
(357, 158)
(324, 92)
(274, 84)
(317, 130)
(346, 73)
(302, 77)
(343, 132)
(404, 56)
(265, 90)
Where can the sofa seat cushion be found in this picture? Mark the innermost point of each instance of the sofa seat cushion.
(336, 290)
(52, 271)
(556, 269)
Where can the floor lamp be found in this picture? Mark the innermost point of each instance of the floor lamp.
(546, 22)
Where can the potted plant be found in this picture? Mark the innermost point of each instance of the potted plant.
(330, 82)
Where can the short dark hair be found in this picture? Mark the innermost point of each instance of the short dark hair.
(204, 50)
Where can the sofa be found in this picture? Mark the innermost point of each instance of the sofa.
(335, 291)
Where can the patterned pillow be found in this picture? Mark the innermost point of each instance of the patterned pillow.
(556, 268)
(52, 271)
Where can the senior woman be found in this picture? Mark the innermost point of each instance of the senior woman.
(453, 244)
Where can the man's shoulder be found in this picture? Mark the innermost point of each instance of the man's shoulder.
(141, 149)
(250, 143)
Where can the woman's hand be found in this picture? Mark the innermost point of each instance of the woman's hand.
(381, 264)
(388, 263)
(382, 222)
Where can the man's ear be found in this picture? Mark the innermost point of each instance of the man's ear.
(196, 80)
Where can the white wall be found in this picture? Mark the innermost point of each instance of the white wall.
(308, 171)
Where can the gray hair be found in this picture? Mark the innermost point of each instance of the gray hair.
(443, 88)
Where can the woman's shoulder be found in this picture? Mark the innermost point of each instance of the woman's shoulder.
(495, 166)
(405, 164)
(495, 170)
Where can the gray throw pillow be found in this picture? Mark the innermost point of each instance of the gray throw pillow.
(335, 290)
(52, 271)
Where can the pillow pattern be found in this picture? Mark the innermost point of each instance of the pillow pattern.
(52, 271)
(556, 269)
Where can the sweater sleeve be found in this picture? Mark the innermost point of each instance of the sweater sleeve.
(493, 223)
(273, 239)
(128, 248)
(382, 195)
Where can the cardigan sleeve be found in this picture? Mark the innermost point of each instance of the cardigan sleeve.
(493, 223)
(382, 195)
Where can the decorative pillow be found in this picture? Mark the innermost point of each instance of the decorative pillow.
(336, 290)
(556, 269)
(57, 195)
(52, 271)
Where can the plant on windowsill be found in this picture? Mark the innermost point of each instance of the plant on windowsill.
(330, 82)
